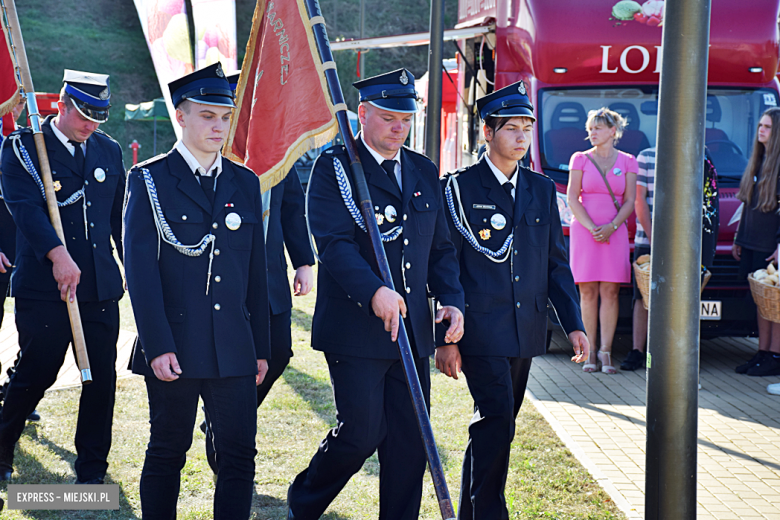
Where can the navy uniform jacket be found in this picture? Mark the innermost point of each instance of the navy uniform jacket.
(286, 227)
(219, 335)
(506, 303)
(348, 276)
(7, 240)
(94, 254)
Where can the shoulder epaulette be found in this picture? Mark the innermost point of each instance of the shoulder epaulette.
(415, 152)
(101, 133)
(21, 130)
(529, 170)
(149, 161)
(238, 164)
(338, 149)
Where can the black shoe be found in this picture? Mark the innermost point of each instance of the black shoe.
(90, 481)
(769, 366)
(634, 360)
(6, 463)
(755, 360)
(34, 416)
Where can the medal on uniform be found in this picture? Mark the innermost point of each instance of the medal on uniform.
(498, 221)
(233, 221)
(57, 185)
(100, 174)
(380, 219)
(391, 214)
(484, 234)
(617, 171)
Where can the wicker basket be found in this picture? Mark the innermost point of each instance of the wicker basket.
(767, 298)
(643, 282)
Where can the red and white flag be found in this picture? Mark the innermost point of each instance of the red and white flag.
(284, 108)
(9, 81)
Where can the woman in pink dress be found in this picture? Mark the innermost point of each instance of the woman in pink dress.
(598, 248)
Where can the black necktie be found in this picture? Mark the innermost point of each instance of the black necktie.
(207, 183)
(389, 167)
(78, 155)
(508, 189)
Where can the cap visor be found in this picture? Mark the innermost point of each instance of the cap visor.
(217, 101)
(404, 105)
(96, 116)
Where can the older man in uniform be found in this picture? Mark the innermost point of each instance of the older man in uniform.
(196, 273)
(355, 310)
(89, 181)
(507, 232)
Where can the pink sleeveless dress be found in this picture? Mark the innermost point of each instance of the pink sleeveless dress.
(593, 261)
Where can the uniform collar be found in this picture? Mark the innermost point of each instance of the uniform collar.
(500, 175)
(64, 140)
(376, 154)
(193, 163)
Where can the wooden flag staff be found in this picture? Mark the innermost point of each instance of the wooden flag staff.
(20, 55)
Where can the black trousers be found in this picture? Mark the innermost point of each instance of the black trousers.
(44, 337)
(374, 413)
(232, 412)
(497, 385)
(3, 294)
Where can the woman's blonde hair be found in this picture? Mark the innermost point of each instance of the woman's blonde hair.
(769, 154)
(607, 117)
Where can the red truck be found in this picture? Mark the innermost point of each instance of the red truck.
(576, 56)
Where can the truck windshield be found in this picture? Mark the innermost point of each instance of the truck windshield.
(731, 123)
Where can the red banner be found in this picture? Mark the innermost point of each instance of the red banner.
(9, 80)
(284, 108)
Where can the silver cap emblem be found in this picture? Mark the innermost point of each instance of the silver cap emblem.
(521, 88)
(404, 79)
(233, 221)
(219, 71)
(104, 94)
(498, 221)
(100, 174)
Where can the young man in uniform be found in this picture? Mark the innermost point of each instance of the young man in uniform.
(89, 182)
(355, 310)
(196, 274)
(506, 229)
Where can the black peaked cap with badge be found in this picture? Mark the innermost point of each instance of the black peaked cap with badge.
(510, 101)
(207, 86)
(393, 91)
(90, 93)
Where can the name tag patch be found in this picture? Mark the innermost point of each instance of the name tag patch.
(484, 206)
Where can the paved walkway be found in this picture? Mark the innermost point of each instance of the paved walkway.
(69, 373)
(601, 418)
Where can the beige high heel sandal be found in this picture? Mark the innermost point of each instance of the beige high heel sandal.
(606, 364)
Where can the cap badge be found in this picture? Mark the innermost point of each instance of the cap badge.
(404, 79)
(100, 174)
(391, 214)
(219, 70)
(57, 185)
(484, 234)
(498, 221)
(104, 94)
(521, 88)
(380, 219)
(233, 221)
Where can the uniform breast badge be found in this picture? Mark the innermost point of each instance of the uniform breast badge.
(484, 234)
(57, 185)
(233, 221)
(391, 214)
(100, 174)
(380, 219)
(498, 221)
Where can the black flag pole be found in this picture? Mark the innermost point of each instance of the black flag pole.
(366, 208)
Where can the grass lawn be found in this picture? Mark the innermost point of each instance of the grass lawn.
(545, 480)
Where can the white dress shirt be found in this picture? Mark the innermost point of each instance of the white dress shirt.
(195, 166)
(381, 159)
(501, 177)
(64, 140)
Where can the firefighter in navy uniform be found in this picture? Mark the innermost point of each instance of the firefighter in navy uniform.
(89, 181)
(505, 225)
(196, 275)
(355, 310)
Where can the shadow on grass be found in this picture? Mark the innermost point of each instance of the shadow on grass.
(31, 471)
(318, 395)
(301, 319)
(266, 506)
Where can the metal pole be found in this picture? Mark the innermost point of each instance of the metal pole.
(362, 55)
(367, 209)
(154, 146)
(433, 110)
(673, 346)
